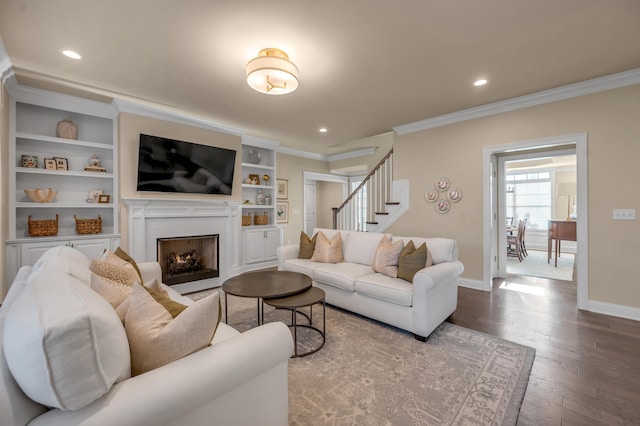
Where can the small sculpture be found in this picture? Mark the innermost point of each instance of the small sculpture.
(94, 165)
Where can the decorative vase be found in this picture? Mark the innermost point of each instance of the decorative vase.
(94, 161)
(260, 198)
(67, 129)
(267, 199)
(30, 161)
(254, 156)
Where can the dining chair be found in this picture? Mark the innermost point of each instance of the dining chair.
(514, 242)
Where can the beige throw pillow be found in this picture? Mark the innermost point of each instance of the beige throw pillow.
(125, 256)
(307, 245)
(411, 261)
(111, 266)
(386, 258)
(156, 339)
(114, 291)
(160, 295)
(328, 251)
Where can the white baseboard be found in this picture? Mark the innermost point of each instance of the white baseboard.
(472, 284)
(614, 310)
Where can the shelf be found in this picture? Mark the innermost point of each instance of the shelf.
(98, 175)
(248, 185)
(258, 206)
(71, 142)
(33, 205)
(257, 166)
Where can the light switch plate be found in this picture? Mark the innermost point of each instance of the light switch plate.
(624, 214)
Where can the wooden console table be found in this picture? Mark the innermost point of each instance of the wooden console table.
(560, 230)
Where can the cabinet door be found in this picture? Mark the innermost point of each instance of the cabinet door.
(31, 252)
(92, 248)
(254, 245)
(271, 243)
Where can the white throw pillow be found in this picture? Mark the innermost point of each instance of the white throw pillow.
(63, 342)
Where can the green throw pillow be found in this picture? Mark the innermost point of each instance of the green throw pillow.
(307, 246)
(411, 260)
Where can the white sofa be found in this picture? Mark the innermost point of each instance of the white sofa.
(241, 379)
(417, 307)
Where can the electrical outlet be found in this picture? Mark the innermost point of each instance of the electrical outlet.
(624, 214)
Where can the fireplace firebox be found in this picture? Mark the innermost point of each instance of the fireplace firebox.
(185, 259)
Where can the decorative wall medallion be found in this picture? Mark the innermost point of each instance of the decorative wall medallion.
(431, 195)
(442, 206)
(442, 184)
(454, 195)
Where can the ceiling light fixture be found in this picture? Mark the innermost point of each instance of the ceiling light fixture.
(323, 130)
(480, 82)
(71, 54)
(272, 72)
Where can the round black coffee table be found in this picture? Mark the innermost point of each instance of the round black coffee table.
(265, 284)
(308, 298)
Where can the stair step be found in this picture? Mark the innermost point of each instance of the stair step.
(382, 213)
(392, 203)
(371, 223)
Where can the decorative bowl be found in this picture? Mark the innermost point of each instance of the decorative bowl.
(41, 195)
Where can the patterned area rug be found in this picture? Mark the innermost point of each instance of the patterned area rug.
(369, 373)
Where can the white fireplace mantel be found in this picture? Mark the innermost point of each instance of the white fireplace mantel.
(150, 219)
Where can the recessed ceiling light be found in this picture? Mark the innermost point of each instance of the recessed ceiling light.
(480, 82)
(71, 54)
(323, 130)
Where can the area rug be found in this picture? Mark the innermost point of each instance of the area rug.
(535, 264)
(369, 373)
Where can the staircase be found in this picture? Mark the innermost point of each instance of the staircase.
(376, 203)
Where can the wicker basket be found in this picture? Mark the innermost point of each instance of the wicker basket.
(88, 226)
(246, 219)
(43, 228)
(262, 219)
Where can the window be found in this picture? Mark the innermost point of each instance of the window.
(529, 196)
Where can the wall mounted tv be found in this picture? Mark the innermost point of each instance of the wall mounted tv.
(168, 165)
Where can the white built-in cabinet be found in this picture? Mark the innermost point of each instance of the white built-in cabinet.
(260, 242)
(34, 116)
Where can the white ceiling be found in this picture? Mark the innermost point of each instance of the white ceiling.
(365, 66)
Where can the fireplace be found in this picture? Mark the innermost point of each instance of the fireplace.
(186, 259)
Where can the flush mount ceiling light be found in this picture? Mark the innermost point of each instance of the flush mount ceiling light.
(71, 54)
(272, 72)
(480, 82)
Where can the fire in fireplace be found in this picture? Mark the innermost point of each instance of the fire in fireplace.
(185, 259)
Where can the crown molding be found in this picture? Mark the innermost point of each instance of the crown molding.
(6, 69)
(259, 142)
(173, 116)
(353, 154)
(588, 87)
(300, 153)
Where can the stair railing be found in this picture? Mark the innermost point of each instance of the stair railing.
(367, 199)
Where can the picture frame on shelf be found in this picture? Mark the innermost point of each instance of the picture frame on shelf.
(283, 188)
(50, 164)
(255, 179)
(104, 199)
(61, 163)
(282, 211)
(94, 195)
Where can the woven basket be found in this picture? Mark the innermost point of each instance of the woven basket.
(88, 226)
(246, 220)
(43, 228)
(262, 219)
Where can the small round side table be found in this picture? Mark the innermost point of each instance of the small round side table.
(308, 298)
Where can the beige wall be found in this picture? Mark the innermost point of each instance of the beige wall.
(130, 127)
(4, 187)
(610, 120)
(328, 195)
(291, 168)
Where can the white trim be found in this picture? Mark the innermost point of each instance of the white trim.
(472, 284)
(259, 142)
(324, 177)
(620, 311)
(333, 157)
(173, 116)
(300, 153)
(595, 85)
(353, 154)
(489, 234)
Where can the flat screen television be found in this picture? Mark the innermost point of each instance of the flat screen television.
(169, 165)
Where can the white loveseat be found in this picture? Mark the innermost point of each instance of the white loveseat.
(417, 307)
(241, 379)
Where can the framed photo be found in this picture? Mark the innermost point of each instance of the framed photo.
(104, 199)
(282, 212)
(94, 195)
(61, 163)
(50, 164)
(255, 179)
(283, 188)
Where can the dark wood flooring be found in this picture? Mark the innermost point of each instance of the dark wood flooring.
(587, 366)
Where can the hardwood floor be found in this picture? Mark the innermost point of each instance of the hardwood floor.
(587, 366)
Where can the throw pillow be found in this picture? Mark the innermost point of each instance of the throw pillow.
(156, 339)
(113, 291)
(161, 296)
(411, 261)
(63, 342)
(328, 251)
(307, 245)
(386, 258)
(111, 266)
(125, 256)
